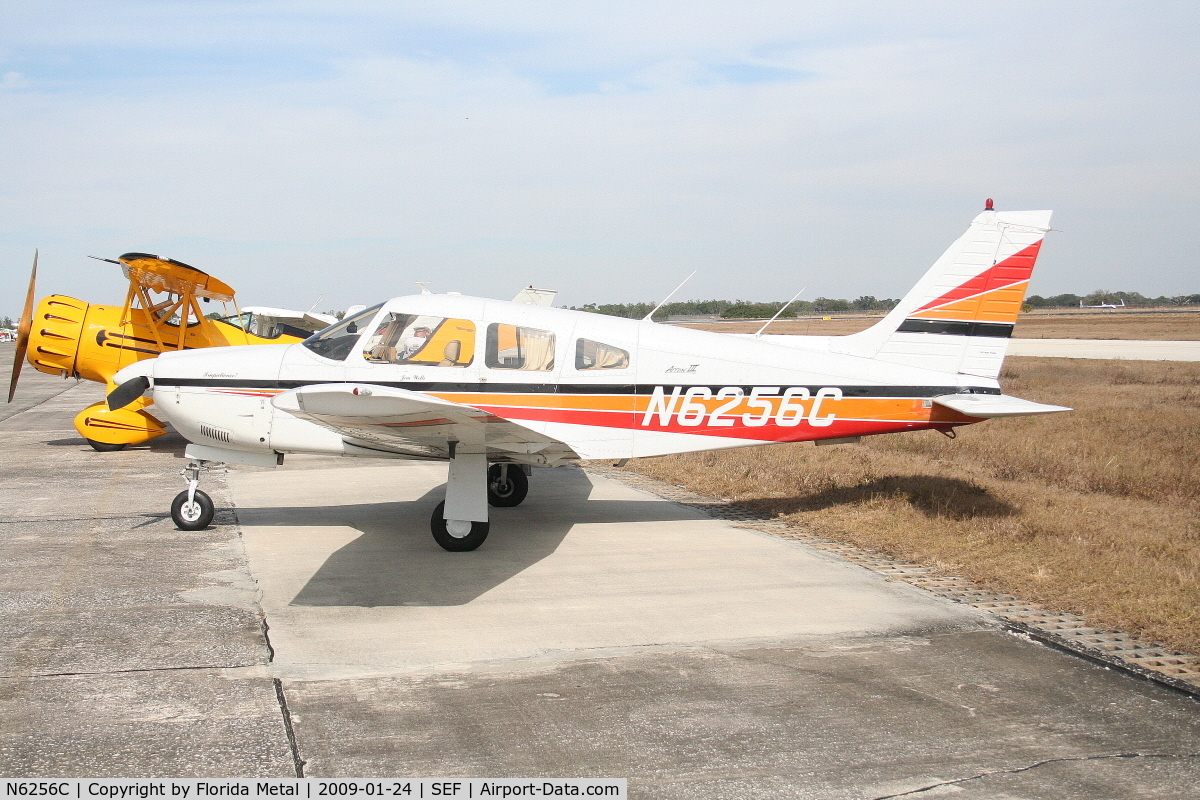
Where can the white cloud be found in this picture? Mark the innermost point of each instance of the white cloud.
(13, 80)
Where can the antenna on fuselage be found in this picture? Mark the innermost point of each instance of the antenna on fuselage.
(780, 311)
(424, 286)
(672, 294)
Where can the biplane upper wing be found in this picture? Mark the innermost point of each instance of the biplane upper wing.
(416, 424)
(168, 275)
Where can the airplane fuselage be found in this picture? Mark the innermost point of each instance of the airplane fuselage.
(664, 389)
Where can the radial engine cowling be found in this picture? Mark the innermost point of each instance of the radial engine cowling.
(54, 335)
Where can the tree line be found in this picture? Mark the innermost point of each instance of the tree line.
(739, 309)
(746, 309)
(1112, 298)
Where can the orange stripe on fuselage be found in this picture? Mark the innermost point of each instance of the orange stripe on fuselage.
(850, 416)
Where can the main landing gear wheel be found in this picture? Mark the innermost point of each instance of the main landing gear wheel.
(457, 536)
(105, 447)
(507, 485)
(194, 514)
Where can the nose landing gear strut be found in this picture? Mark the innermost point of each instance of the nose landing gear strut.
(192, 509)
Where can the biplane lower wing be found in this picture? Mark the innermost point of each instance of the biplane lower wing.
(418, 425)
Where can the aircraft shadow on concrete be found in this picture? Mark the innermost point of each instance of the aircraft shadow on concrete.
(932, 495)
(395, 561)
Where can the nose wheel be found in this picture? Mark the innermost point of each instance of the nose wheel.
(192, 509)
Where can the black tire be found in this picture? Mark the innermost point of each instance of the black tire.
(105, 447)
(509, 493)
(194, 516)
(456, 544)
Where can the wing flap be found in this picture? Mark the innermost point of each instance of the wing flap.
(417, 423)
(987, 406)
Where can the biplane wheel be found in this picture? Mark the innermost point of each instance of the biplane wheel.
(105, 447)
(509, 491)
(455, 541)
(195, 515)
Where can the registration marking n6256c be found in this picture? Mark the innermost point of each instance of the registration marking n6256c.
(692, 409)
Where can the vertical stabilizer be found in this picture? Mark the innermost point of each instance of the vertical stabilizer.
(960, 315)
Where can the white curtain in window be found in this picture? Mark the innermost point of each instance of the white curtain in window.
(538, 349)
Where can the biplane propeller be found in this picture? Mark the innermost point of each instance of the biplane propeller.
(162, 312)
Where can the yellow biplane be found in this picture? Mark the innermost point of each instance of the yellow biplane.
(162, 312)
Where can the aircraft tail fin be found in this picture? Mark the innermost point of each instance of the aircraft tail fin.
(960, 315)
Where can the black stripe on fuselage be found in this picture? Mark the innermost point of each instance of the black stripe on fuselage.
(572, 388)
(951, 327)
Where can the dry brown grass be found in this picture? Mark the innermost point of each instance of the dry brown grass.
(1095, 511)
(1168, 326)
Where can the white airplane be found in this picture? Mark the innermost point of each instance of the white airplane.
(270, 323)
(494, 388)
(1104, 305)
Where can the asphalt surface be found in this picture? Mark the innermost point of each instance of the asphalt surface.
(599, 632)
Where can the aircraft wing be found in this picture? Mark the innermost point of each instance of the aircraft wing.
(417, 425)
(994, 405)
(168, 275)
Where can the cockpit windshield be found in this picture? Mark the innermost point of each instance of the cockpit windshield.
(336, 342)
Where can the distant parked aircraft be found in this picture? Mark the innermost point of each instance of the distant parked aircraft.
(1103, 305)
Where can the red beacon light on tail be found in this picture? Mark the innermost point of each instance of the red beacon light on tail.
(987, 205)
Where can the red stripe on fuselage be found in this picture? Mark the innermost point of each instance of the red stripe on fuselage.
(771, 432)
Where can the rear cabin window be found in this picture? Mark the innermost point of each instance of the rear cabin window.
(597, 355)
(336, 341)
(425, 340)
(514, 347)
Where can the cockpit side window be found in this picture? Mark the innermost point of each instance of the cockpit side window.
(514, 347)
(420, 339)
(597, 355)
(336, 341)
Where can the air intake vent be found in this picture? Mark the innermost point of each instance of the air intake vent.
(215, 433)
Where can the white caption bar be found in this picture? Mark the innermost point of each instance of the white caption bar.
(194, 789)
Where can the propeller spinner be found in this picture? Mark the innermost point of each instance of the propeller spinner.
(23, 329)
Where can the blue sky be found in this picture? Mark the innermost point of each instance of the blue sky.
(342, 151)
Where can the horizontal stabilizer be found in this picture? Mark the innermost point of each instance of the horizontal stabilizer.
(987, 406)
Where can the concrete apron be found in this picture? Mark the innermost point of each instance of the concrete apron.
(601, 631)
(353, 584)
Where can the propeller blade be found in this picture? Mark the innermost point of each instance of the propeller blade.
(127, 392)
(23, 328)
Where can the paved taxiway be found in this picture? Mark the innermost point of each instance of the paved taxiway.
(1106, 348)
(598, 632)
